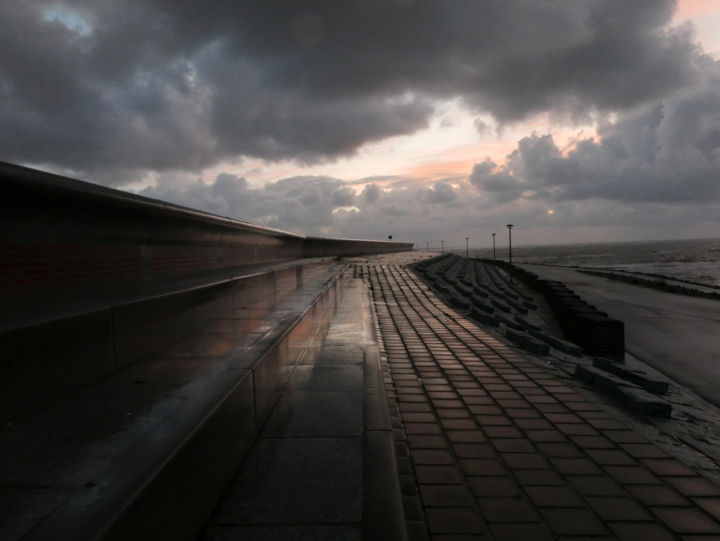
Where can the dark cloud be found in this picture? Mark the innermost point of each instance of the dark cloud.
(162, 85)
(665, 152)
(371, 193)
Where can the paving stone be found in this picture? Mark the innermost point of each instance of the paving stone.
(628, 531)
(687, 520)
(431, 456)
(570, 521)
(439, 475)
(454, 520)
(515, 510)
(632, 475)
(538, 478)
(497, 486)
(418, 417)
(490, 420)
(524, 532)
(611, 457)
(575, 466)
(694, 486)
(446, 496)
(453, 414)
(565, 450)
(426, 442)
(644, 450)
(481, 466)
(513, 445)
(668, 467)
(459, 424)
(524, 461)
(595, 485)
(473, 450)
(545, 435)
(465, 436)
(613, 508)
(710, 505)
(554, 496)
(422, 428)
(657, 495)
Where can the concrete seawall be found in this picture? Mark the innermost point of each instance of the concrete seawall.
(63, 240)
(142, 345)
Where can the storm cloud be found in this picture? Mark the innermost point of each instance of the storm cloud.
(667, 151)
(117, 88)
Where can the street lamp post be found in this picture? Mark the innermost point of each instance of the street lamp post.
(467, 247)
(493, 246)
(510, 226)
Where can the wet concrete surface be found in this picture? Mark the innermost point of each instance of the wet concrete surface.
(308, 474)
(675, 334)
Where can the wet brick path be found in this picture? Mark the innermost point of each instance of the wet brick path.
(491, 446)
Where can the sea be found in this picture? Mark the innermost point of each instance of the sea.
(696, 261)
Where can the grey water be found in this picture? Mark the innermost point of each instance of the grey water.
(695, 260)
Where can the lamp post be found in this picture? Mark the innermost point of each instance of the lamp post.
(493, 246)
(442, 246)
(510, 226)
(467, 247)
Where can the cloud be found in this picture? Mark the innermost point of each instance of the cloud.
(665, 152)
(371, 193)
(117, 88)
(441, 193)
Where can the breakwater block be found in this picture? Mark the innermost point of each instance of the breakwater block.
(528, 343)
(459, 301)
(629, 394)
(527, 324)
(643, 402)
(500, 306)
(484, 318)
(565, 346)
(485, 307)
(653, 386)
(509, 323)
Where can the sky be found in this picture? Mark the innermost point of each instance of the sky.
(582, 121)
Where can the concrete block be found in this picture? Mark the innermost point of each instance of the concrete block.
(651, 385)
(528, 343)
(483, 306)
(527, 324)
(565, 346)
(484, 317)
(500, 305)
(509, 323)
(643, 402)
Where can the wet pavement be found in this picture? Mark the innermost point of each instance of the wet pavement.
(492, 446)
(488, 444)
(322, 465)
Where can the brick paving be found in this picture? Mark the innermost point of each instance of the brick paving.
(491, 446)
